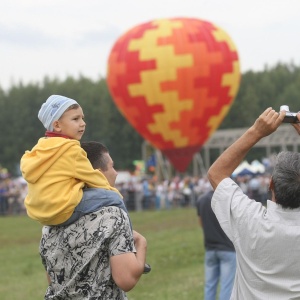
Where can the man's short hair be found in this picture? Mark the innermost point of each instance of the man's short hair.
(286, 179)
(95, 153)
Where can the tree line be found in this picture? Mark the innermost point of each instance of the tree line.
(19, 106)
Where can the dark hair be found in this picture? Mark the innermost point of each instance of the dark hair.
(286, 179)
(95, 153)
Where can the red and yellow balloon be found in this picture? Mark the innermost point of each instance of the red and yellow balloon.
(174, 80)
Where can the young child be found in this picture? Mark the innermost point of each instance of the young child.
(57, 168)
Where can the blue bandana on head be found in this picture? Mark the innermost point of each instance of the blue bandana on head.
(53, 109)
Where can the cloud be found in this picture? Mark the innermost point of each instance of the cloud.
(105, 36)
(24, 36)
(58, 37)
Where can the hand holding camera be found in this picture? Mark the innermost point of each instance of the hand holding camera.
(290, 117)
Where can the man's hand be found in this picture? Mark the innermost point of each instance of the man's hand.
(229, 160)
(140, 243)
(268, 122)
(138, 238)
(297, 125)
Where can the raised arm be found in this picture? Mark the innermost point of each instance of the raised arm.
(297, 125)
(229, 160)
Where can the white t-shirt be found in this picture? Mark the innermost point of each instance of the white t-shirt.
(267, 243)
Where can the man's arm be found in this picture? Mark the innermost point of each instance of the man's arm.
(198, 212)
(127, 268)
(229, 160)
(200, 221)
(297, 125)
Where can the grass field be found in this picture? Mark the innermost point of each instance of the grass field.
(175, 253)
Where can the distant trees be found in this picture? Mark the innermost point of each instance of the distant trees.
(20, 127)
(258, 90)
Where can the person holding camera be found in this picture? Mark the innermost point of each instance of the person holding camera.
(266, 239)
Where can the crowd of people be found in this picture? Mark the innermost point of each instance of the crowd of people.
(143, 193)
(111, 255)
(12, 194)
(182, 191)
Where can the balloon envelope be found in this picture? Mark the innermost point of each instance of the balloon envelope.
(174, 80)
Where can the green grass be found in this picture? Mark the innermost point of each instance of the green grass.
(175, 253)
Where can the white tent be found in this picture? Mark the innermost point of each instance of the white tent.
(249, 169)
(258, 167)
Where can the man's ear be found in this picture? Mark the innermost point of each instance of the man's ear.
(56, 126)
(271, 189)
(271, 185)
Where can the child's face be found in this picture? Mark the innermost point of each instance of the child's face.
(71, 124)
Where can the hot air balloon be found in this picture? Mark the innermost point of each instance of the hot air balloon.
(174, 80)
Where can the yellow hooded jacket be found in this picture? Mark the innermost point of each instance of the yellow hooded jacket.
(56, 170)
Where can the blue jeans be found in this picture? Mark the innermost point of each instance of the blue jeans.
(220, 267)
(94, 199)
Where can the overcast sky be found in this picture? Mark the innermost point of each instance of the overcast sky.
(58, 38)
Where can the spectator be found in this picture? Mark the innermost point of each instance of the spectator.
(57, 169)
(185, 188)
(3, 197)
(264, 181)
(266, 239)
(148, 194)
(139, 195)
(242, 183)
(253, 187)
(97, 256)
(174, 192)
(130, 187)
(159, 196)
(220, 258)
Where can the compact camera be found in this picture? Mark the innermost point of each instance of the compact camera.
(290, 117)
(147, 268)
